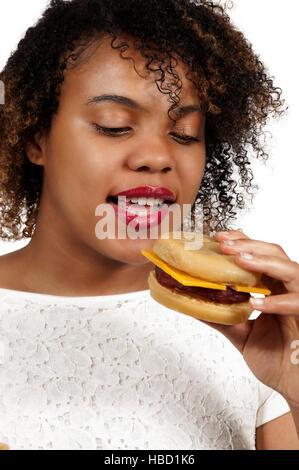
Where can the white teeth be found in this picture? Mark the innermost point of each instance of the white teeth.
(142, 201)
(154, 201)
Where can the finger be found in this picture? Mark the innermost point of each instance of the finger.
(282, 269)
(231, 234)
(252, 246)
(286, 304)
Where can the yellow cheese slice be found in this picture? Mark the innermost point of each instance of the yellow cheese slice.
(188, 280)
(253, 290)
(179, 275)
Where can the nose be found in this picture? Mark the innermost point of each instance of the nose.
(153, 155)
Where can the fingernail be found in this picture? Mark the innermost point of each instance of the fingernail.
(228, 242)
(257, 302)
(246, 255)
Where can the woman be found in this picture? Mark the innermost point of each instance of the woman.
(90, 361)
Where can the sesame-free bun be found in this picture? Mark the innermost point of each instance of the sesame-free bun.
(199, 255)
(207, 262)
(226, 314)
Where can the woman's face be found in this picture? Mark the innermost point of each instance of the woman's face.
(83, 167)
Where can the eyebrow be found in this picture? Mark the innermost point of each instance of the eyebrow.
(129, 103)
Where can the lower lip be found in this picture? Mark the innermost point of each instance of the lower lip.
(152, 219)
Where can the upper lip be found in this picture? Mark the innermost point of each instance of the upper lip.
(148, 191)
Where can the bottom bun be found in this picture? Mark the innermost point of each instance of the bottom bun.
(226, 314)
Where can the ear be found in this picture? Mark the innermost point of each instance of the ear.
(35, 148)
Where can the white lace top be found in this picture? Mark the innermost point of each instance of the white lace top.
(122, 372)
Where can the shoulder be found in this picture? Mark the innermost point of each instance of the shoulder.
(10, 270)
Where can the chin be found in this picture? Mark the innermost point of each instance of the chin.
(124, 250)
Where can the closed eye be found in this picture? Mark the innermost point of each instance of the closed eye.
(120, 131)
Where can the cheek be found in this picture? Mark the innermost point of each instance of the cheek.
(191, 173)
(78, 165)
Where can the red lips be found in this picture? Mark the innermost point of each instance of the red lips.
(148, 191)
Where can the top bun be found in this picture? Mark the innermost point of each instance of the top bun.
(207, 262)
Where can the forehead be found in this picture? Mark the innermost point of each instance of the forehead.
(103, 71)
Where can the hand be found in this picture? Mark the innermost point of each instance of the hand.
(267, 343)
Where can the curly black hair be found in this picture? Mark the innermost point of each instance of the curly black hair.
(233, 85)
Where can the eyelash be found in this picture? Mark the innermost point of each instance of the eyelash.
(111, 131)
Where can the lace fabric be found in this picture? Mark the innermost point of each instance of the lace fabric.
(122, 372)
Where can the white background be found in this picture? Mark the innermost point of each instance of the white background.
(271, 26)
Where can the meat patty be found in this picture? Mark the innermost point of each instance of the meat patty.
(228, 296)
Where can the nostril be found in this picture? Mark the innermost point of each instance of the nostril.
(142, 168)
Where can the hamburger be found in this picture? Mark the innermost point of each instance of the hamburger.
(201, 282)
